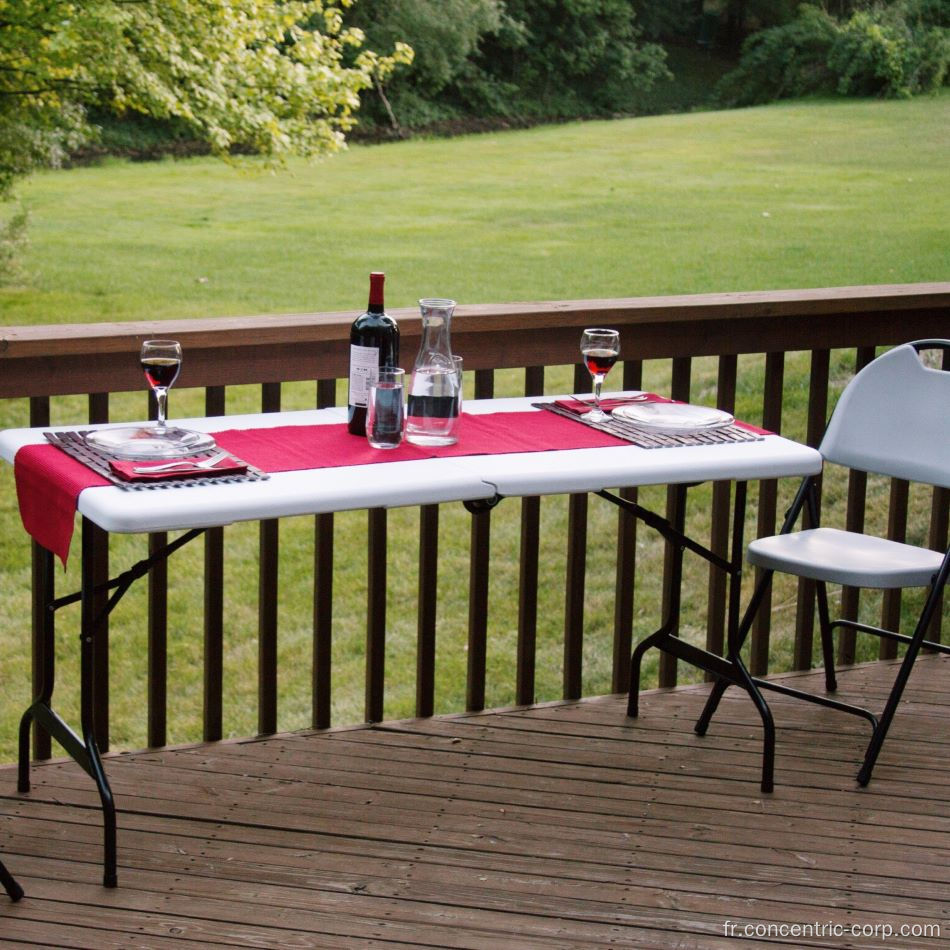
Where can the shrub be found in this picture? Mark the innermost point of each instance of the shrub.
(12, 241)
(898, 50)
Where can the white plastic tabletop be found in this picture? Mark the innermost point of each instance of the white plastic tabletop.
(430, 481)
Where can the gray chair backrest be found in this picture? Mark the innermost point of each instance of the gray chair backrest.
(893, 418)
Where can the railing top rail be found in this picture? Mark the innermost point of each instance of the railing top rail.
(82, 338)
(94, 357)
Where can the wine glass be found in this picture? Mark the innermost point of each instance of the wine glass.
(600, 349)
(161, 363)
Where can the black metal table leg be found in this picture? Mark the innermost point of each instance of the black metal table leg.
(92, 627)
(729, 670)
(9, 884)
(84, 750)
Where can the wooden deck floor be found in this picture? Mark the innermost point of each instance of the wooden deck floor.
(563, 825)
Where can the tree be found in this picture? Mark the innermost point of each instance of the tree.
(571, 57)
(275, 77)
(443, 34)
(897, 49)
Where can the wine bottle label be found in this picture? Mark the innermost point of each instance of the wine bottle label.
(364, 371)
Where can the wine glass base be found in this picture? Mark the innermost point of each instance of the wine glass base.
(149, 442)
(596, 415)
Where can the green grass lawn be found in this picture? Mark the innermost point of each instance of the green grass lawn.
(795, 195)
(801, 195)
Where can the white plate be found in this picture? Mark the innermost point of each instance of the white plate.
(138, 444)
(673, 416)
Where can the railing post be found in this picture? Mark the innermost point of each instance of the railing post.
(157, 700)
(768, 507)
(576, 577)
(478, 581)
(213, 672)
(376, 614)
(626, 572)
(428, 602)
(528, 566)
(98, 553)
(854, 521)
(817, 416)
(719, 528)
(43, 622)
(323, 594)
(676, 515)
(267, 600)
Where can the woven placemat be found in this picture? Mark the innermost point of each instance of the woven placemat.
(647, 438)
(75, 445)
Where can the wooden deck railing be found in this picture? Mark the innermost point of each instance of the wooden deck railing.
(49, 361)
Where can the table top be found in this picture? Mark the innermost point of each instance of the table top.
(419, 482)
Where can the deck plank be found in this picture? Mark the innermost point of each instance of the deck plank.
(559, 825)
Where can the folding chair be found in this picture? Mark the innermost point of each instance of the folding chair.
(11, 886)
(892, 419)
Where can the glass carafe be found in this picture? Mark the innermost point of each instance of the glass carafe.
(432, 415)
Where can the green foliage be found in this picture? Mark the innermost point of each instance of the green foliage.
(671, 18)
(896, 50)
(443, 34)
(571, 57)
(268, 77)
(783, 62)
(12, 241)
(517, 58)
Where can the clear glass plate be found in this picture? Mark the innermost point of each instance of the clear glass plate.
(673, 416)
(143, 443)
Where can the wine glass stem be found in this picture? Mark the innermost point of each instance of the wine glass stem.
(161, 398)
(598, 383)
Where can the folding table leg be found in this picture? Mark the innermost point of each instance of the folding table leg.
(9, 883)
(93, 763)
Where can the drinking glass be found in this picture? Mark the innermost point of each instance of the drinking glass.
(460, 373)
(161, 363)
(384, 409)
(600, 349)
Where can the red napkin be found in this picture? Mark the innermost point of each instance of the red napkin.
(608, 404)
(127, 469)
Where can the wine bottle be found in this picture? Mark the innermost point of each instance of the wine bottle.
(374, 342)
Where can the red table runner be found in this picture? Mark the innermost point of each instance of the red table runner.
(49, 481)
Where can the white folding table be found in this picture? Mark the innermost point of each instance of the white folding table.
(479, 481)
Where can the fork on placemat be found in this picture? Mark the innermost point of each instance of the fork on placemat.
(186, 464)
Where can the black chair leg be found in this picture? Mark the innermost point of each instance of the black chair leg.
(742, 631)
(10, 884)
(903, 674)
(827, 636)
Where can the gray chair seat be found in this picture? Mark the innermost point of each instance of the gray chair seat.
(843, 557)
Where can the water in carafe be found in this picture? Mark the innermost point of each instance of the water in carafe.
(432, 414)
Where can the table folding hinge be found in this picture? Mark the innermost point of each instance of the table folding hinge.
(478, 506)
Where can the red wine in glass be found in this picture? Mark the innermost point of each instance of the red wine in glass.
(161, 371)
(161, 363)
(600, 349)
(600, 361)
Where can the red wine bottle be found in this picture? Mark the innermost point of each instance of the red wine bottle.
(374, 342)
